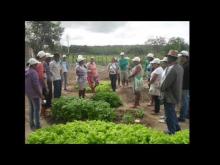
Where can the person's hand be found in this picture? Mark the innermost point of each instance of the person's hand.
(42, 97)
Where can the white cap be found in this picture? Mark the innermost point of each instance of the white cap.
(122, 53)
(155, 61)
(179, 55)
(64, 56)
(164, 59)
(41, 54)
(184, 53)
(49, 55)
(33, 61)
(127, 58)
(136, 59)
(80, 58)
(150, 55)
(80, 55)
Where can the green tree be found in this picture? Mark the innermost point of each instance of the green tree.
(41, 33)
(176, 43)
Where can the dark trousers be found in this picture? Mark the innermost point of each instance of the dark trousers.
(57, 88)
(171, 118)
(49, 94)
(156, 103)
(113, 78)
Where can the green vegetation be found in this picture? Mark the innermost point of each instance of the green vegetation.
(100, 132)
(128, 118)
(110, 97)
(68, 109)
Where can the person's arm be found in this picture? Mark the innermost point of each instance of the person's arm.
(136, 71)
(36, 84)
(154, 77)
(168, 81)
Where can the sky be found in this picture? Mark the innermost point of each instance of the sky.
(99, 33)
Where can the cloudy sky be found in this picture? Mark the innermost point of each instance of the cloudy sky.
(121, 32)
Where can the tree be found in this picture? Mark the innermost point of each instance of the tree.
(40, 33)
(156, 43)
(176, 43)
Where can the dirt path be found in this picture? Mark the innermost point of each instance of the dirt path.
(126, 95)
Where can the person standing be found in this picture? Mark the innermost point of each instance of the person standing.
(33, 91)
(171, 87)
(184, 110)
(41, 56)
(150, 57)
(154, 84)
(137, 77)
(49, 79)
(123, 64)
(92, 78)
(113, 70)
(65, 67)
(56, 70)
(81, 72)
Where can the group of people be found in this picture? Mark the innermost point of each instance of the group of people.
(169, 85)
(168, 81)
(41, 74)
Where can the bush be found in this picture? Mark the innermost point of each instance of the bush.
(104, 86)
(100, 132)
(111, 97)
(139, 113)
(128, 118)
(70, 108)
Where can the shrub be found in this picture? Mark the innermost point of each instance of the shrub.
(128, 118)
(139, 113)
(111, 97)
(104, 86)
(100, 132)
(70, 108)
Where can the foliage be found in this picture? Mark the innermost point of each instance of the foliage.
(71, 108)
(100, 132)
(128, 118)
(104, 86)
(139, 113)
(40, 33)
(110, 97)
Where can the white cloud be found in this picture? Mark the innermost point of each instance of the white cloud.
(121, 32)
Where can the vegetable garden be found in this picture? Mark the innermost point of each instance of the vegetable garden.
(102, 118)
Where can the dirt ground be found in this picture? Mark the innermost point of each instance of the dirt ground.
(126, 95)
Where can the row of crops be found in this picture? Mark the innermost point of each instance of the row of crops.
(92, 121)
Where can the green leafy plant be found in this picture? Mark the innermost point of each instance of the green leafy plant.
(70, 108)
(111, 97)
(128, 118)
(104, 86)
(139, 113)
(100, 132)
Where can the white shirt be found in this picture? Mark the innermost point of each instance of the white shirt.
(55, 68)
(159, 72)
(64, 64)
(165, 72)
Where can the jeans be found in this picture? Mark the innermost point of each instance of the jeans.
(157, 104)
(57, 88)
(113, 78)
(34, 112)
(64, 78)
(184, 110)
(171, 118)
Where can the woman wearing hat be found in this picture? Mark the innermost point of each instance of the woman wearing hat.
(81, 72)
(137, 76)
(155, 84)
(33, 91)
(113, 69)
(92, 74)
